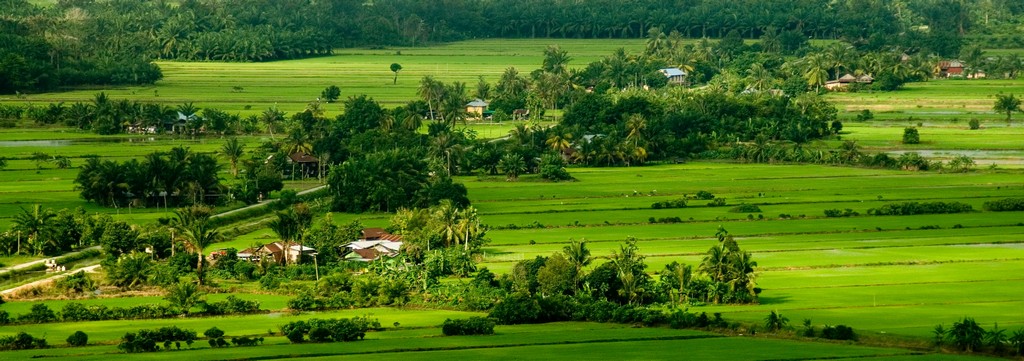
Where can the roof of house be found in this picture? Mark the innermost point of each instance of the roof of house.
(370, 250)
(477, 103)
(848, 78)
(672, 72)
(302, 157)
(946, 64)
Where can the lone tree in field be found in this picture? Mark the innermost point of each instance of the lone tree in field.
(910, 136)
(330, 94)
(233, 151)
(1007, 103)
(395, 68)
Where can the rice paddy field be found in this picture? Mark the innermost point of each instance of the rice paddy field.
(885, 276)
(879, 274)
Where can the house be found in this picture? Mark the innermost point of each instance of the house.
(675, 76)
(276, 252)
(846, 80)
(520, 114)
(374, 244)
(308, 165)
(477, 108)
(950, 69)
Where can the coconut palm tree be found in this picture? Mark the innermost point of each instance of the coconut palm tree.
(431, 91)
(34, 225)
(193, 227)
(559, 142)
(815, 70)
(233, 150)
(271, 117)
(512, 165)
(578, 255)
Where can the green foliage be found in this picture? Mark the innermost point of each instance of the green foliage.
(147, 340)
(966, 335)
(911, 136)
(183, 177)
(838, 332)
(1007, 103)
(470, 326)
(75, 283)
(745, 208)
(330, 94)
(21, 341)
(865, 115)
(383, 181)
(912, 208)
(131, 270)
(674, 203)
(40, 313)
(974, 124)
(776, 321)
(184, 295)
(329, 330)
(1005, 205)
(835, 213)
(78, 339)
(552, 167)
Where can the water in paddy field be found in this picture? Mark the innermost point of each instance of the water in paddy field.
(982, 158)
(69, 142)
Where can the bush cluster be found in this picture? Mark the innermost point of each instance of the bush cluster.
(717, 202)
(77, 339)
(745, 208)
(838, 332)
(674, 203)
(911, 208)
(21, 341)
(664, 220)
(521, 308)
(146, 340)
(329, 330)
(704, 195)
(74, 311)
(835, 213)
(469, 326)
(1005, 205)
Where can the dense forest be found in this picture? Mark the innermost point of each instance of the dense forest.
(77, 42)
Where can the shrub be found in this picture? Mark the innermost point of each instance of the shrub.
(833, 213)
(974, 124)
(470, 326)
(745, 208)
(1005, 205)
(717, 202)
(675, 203)
(246, 341)
(21, 341)
(704, 195)
(552, 167)
(146, 340)
(839, 332)
(865, 115)
(269, 282)
(38, 314)
(515, 309)
(911, 136)
(912, 208)
(78, 338)
(320, 330)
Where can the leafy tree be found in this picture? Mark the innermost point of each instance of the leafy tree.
(911, 136)
(552, 167)
(130, 270)
(1007, 103)
(78, 339)
(395, 68)
(331, 94)
(557, 276)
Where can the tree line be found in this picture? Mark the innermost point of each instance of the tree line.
(113, 42)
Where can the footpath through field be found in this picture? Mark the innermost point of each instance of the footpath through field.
(88, 269)
(33, 263)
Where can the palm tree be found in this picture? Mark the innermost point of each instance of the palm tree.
(195, 230)
(512, 165)
(815, 70)
(233, 151)
(578, 255)
(33, 225)
(759, 78)
(271, 117)
(431, 91)
(447, 217)
(1007, 103)
(775, 321)
(468, 226)
(559, 142)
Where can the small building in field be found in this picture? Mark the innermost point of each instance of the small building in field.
(675, 76)
(306, 165)
(950, 69)
(846, 80)
(375, 243)
(276, 252)
(477, 108)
